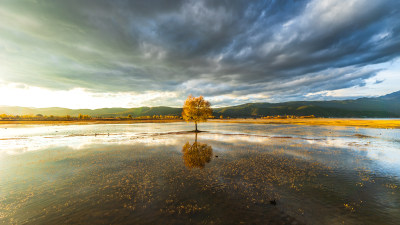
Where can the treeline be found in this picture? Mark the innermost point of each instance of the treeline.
(40, 117)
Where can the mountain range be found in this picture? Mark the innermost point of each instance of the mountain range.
(377, 107)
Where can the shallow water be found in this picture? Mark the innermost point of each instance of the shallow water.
(231, 174)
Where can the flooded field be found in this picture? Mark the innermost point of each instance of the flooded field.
(231, 174)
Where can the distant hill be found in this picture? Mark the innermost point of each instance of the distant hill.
(104, 112)
(378, 107)
(384, 106)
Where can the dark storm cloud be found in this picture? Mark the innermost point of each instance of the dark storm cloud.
(202, 47)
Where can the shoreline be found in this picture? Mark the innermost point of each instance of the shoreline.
(350, 122)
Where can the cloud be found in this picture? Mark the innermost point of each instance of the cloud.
(281, 49)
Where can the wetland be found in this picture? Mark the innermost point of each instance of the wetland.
(232, 173)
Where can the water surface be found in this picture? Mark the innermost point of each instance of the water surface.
(231, 174)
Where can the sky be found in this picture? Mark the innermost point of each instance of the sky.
(120, 53)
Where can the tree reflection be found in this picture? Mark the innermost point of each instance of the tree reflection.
(196, 155)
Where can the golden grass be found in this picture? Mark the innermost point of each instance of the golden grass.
(86, 122)
(370, 123)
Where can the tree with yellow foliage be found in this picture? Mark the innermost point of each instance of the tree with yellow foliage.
(196, 109)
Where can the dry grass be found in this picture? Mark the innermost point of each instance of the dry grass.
(371, 123)
(85, 122)
(391, 124)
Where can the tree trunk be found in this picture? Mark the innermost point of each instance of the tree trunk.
(195, 123)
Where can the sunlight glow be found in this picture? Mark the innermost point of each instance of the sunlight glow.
(77, 98)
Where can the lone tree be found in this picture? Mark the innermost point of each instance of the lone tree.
(196, 109)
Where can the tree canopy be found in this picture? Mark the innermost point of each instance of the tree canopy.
(196, 109)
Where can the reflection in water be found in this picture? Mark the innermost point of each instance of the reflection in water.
(309, 175)
(197, 154)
